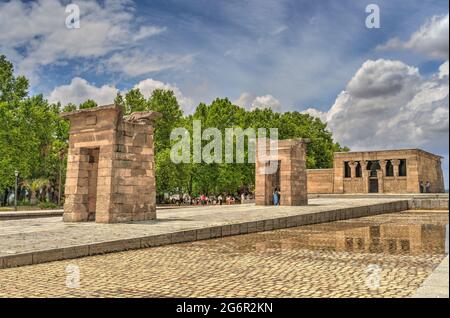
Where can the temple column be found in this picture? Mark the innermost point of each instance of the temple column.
(383, 166)
(352, 165)
(380, 175)
(365, 176)
(395, 164)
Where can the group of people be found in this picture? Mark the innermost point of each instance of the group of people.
(25, 195)
(204, 199)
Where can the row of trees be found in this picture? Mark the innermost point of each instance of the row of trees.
(31, 133)
(33, 137)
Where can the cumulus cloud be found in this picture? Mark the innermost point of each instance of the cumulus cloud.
(244, 100)
(79, 90)
(369, 114)
(372, 80)
(432, 39)
(250, 101)
(147, 87)
(443, 70)
(39, 36)
(316, 113)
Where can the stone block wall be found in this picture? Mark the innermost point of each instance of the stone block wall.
(319, 180)
(429, 169)
(110, 173)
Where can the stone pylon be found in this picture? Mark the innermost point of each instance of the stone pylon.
(111, 166)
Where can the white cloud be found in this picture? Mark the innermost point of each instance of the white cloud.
(250, 101)
(443, 70)
(245, 100)
(37, 35)
(79, 90)
(316, 113)
(432, 39)
(388, 104)
(147, 87)
(279, 30)
(135, 63)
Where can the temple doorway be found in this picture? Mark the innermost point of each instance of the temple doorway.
(275, 181)
(373, 185)
(92, 157)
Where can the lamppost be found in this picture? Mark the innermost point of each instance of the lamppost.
(61, 158)
(16, 173)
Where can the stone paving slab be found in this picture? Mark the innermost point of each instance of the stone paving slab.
(33, 241)
(437, 284)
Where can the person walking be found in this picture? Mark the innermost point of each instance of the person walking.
(220, 199)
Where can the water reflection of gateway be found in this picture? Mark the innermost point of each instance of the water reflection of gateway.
(384, 238)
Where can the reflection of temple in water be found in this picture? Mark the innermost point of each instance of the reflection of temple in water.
(383, 238)
(393, 239)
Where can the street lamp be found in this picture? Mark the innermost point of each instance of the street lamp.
(16, 173)
(61, 157)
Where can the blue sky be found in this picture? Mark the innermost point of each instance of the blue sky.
(289, 55)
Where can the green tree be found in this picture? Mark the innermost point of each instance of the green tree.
(69, 108)
(165, 102)
(12, 89)
(88, 104)
(30, 131)
(134, 101)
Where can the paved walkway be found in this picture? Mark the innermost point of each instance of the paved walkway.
(336, 259)
(32, 241)
(436, 285)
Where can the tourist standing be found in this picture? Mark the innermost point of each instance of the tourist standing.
(276, 197)
(203, 199)
(428, 187)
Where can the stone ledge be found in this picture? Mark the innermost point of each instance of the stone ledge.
(16, 215)
(428, 204)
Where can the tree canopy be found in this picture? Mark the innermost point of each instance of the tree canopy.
(32, 135)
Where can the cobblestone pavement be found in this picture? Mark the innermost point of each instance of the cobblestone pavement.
(28, 235)
(387, 255)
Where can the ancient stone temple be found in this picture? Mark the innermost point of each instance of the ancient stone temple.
(388, 171)
(289, 176)
(111, 167)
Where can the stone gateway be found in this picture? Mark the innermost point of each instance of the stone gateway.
(111, 167)
(289, 178)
